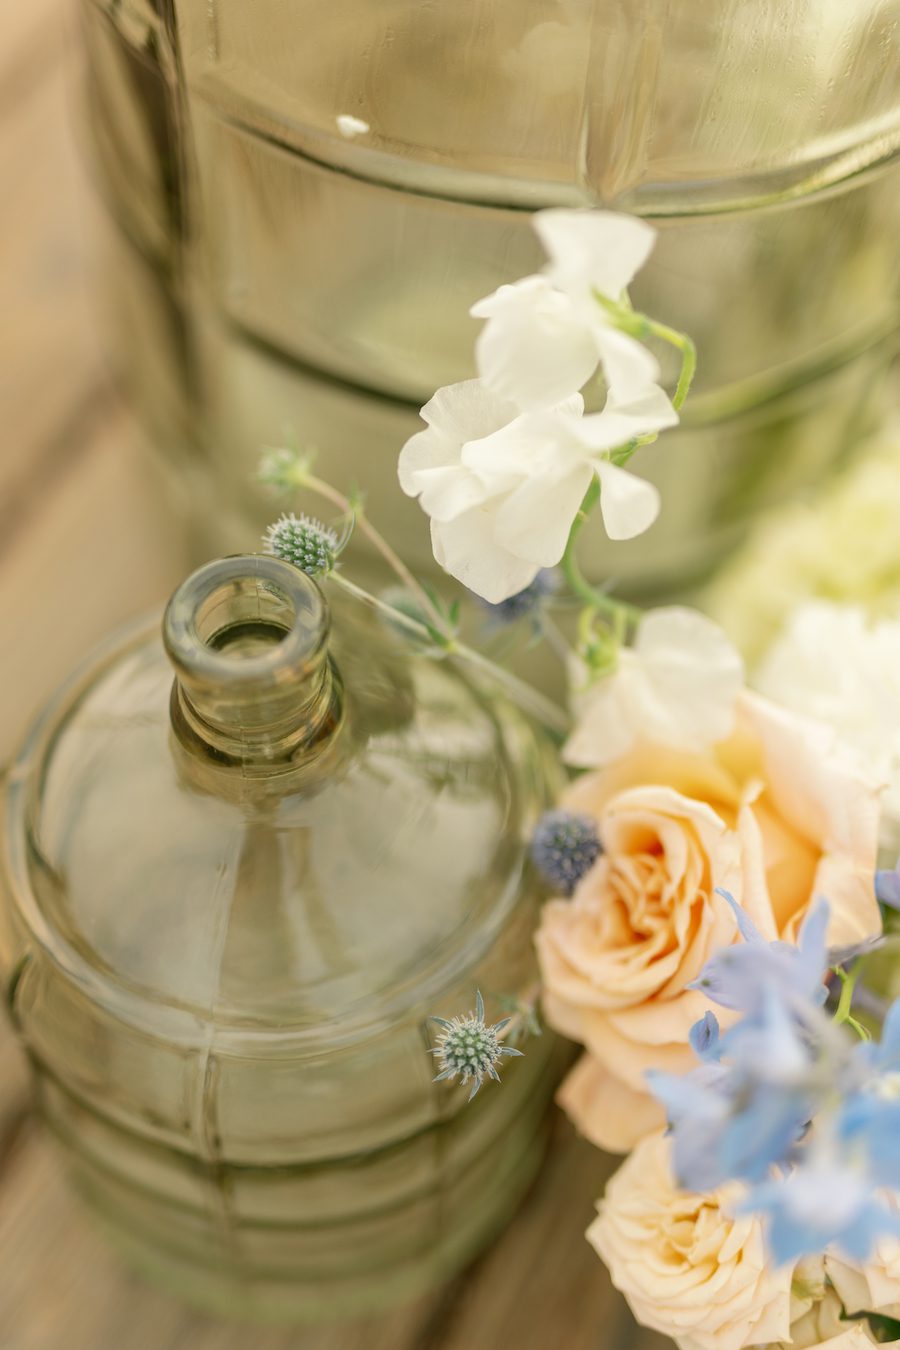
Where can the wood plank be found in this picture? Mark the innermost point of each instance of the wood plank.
(50, 354)
(540, 1287)
(103, 545)
(62, 1286)
(27, 50)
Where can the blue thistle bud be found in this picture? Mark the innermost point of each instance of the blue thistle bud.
(280, 468)
(564, 847)
(468, 1048)
(305, 542)
(526, 603)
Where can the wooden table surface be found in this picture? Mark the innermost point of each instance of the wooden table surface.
(86, 539)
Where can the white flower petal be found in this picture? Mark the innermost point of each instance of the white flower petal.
(593, 250)
(426, 450)
(620, 422)
(693, 677)
(602, 733)
(534, 521)
(445, 492)
(536, 347)
(466, 548)
(467, 411)
(629, 505)
(628, 367)
(535, 442)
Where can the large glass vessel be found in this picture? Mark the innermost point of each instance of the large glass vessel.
(305, 196)
(233, 902)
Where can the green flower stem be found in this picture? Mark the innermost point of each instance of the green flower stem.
(683, 344)
(619, 611)
(378, 541)
(641, 326)
(519, 691)
(843, 1014)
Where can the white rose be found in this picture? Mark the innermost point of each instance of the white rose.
(874, 1287)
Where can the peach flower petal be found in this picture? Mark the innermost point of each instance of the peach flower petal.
(777, 815)
(606, 1111)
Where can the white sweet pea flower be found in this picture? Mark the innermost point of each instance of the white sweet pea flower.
(676, 685)
(502, 487)
(545, 334)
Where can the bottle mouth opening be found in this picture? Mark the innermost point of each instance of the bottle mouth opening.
(247, 619)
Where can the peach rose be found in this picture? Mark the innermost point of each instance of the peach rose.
(777, 815)
(685, 1267)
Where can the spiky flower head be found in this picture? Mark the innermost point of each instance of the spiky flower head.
(564, 847)
(468, 1048)
(305, 542)
(280, 467)
(525, 604)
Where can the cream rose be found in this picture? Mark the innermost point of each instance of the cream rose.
(823, 1324)
(685, 1267)
(874, 1287)
(778, 815)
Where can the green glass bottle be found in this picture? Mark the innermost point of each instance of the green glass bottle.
(233, 902)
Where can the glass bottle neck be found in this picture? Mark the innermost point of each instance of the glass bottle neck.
(248, 638)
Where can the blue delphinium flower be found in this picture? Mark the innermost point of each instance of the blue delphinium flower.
(744, 1108)
(736, 977)
(786, 1102)
(887, 886)
(824, 1201)
(564, 847)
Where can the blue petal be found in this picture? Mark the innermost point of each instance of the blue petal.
(887, 887)
(748, 929)
(704, 1037)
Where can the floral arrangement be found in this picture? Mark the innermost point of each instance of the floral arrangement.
(715, 902)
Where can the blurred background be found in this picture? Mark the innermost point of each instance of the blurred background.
(309, 305)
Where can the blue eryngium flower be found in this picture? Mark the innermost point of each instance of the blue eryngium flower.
(306, 543)
(525, 604)
(564, 847)
(468, 1048)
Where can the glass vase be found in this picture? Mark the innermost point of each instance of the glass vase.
(274, 269)
(233, 902)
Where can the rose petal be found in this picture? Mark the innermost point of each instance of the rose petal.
(604, 1110)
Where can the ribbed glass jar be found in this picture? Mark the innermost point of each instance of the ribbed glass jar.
(269, 272)
(232, 904)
